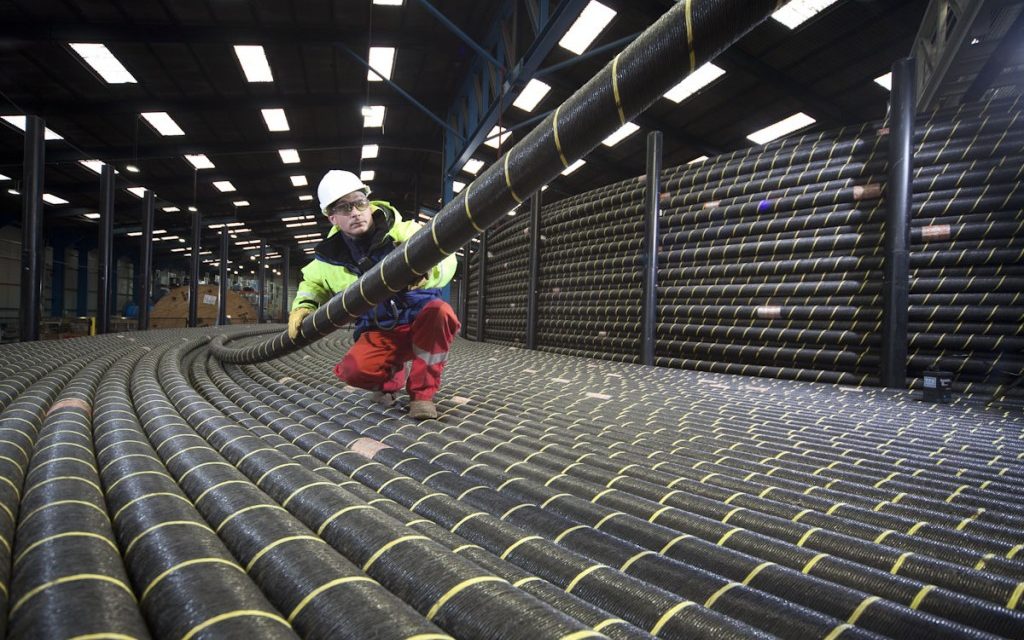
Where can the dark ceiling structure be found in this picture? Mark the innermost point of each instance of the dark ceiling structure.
(181, 54)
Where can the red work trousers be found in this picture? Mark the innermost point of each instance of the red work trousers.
(377, 359)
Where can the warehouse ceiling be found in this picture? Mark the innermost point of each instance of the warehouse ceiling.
(182, 56)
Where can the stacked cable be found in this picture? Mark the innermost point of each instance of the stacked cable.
(508, 255)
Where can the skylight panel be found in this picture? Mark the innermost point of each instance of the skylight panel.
(366, 176)
(382, 59)
(131, 168)
(49, 198)
(799, 11)
(473, 166)
(697, 160)
(92, 216)
(96, 166)
(199, 161)
(171, 209)
(885, 81)
(573, 167)
(99, 58)
(241, 203)
(701, 77)
(305, 198)
(592, 21)
(299, 181)
(621, 134)
(458, 186)
(370, 151)
(373, 116)
(289, 156)
(163, 123)
(254, 63)
(224, 186)
(388, 3)
(532, 94)
(497, 136)
(276, 119)
(781, 128)
(138, 192)
(3, 177)
(18, 122)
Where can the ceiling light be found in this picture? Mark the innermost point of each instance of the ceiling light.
(134, 234)
(308, 241)
(691, 84)
(373, 116)
(799, 11)
(294, 218)
(170, 238)
(370, 151)
(532, 94)
(366, 176)
(235, 224)
(193, 209)
(92, 216)
(299, 181)
(300, 224)
(276, 119)
(458, 186)
(305, 198)
(574, 166)
(241, 203)
(171, 209)
(13, 192)
(138, 192)
(382, 59)
(224, 186)
(307, 235)
(621, 134)
(885, 81)
(473, 166)
(103, 62)
(214, 226)
(697, 160)
(178, 249)
(593, 19)
(96, 166)
(18, 122)
(781, 128)
(254, 63)
(388, 3)
(163, 123)
(289, 156)
(131, 168)
(497, 136)
(199, 161)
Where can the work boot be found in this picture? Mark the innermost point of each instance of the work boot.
(382, 398)
(422, 409)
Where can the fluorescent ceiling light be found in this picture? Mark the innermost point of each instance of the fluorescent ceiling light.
(532, 94)
(799, 11)
(131, 168)
(697, 159)
(138, 192)
(383, 60)
(96, 166)
(18, 122)
(373, 116)
(199, 161)
(781, 128)
(700, 78)
(305, 198)
(224, 185)
(92, 216)
(178, 249)
(574, 166)
(294, 218)
(621, 134)
(276, 119)
(171, 209)
(370, 151)
(49, 198)
(300, 224)
(235, 224)
(289, 156)
(103, 62)
(885, 81)
(254, 63)
(299, 181)
(241, 203)
(458, 186)
(593, 19)
(310, 240)
(388, 3)
(193, 209)
(163, 123)
(308, 235)
(3, 177)
(134, 234)
(497, 136)
(473, 166)
(13, 192)
(366, 176)
(169, 238)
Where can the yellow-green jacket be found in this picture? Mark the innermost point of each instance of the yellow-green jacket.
(334, 268)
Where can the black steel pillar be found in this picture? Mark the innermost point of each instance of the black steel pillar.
(193, 281)
(105, 252)
(652, 213)
(146, 261)
(262, 277)
(481, 282)
(286, 275)
(83, 280)
(222, 298)
(899, 191)
(32, 228)
(60, 252)
(534, 277)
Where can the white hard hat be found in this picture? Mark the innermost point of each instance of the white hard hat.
(337, 183)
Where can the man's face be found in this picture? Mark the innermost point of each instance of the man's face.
(352, 214)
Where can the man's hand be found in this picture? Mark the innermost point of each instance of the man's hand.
(295, 320)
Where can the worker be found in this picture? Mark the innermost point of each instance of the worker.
(414, 324)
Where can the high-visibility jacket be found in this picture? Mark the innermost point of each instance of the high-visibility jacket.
(334, 268)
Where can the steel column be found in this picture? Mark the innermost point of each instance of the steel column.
(60, 252)
(83, 281)
(222, 298)
(652, 212)
(534, 277)
(105, 251)
(262, 283)
(896, 268)
(481, 285)
(32, 228)
(146, 261)
(193, 282)
(286, 274)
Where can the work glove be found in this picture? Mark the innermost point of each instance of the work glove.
(295, 321)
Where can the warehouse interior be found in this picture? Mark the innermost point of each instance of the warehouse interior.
(741, 294)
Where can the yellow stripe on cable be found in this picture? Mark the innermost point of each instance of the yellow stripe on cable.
(615, 89)
(181, 565)
(859, 611)
(78, 577)
(276, 543)
(668, 616)
(324, 587)
(240, 613)
(468, 213)
(558, 142)
(508, 182)
(689, 34)
(451, 593)
(387, 547)
(583, 574)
